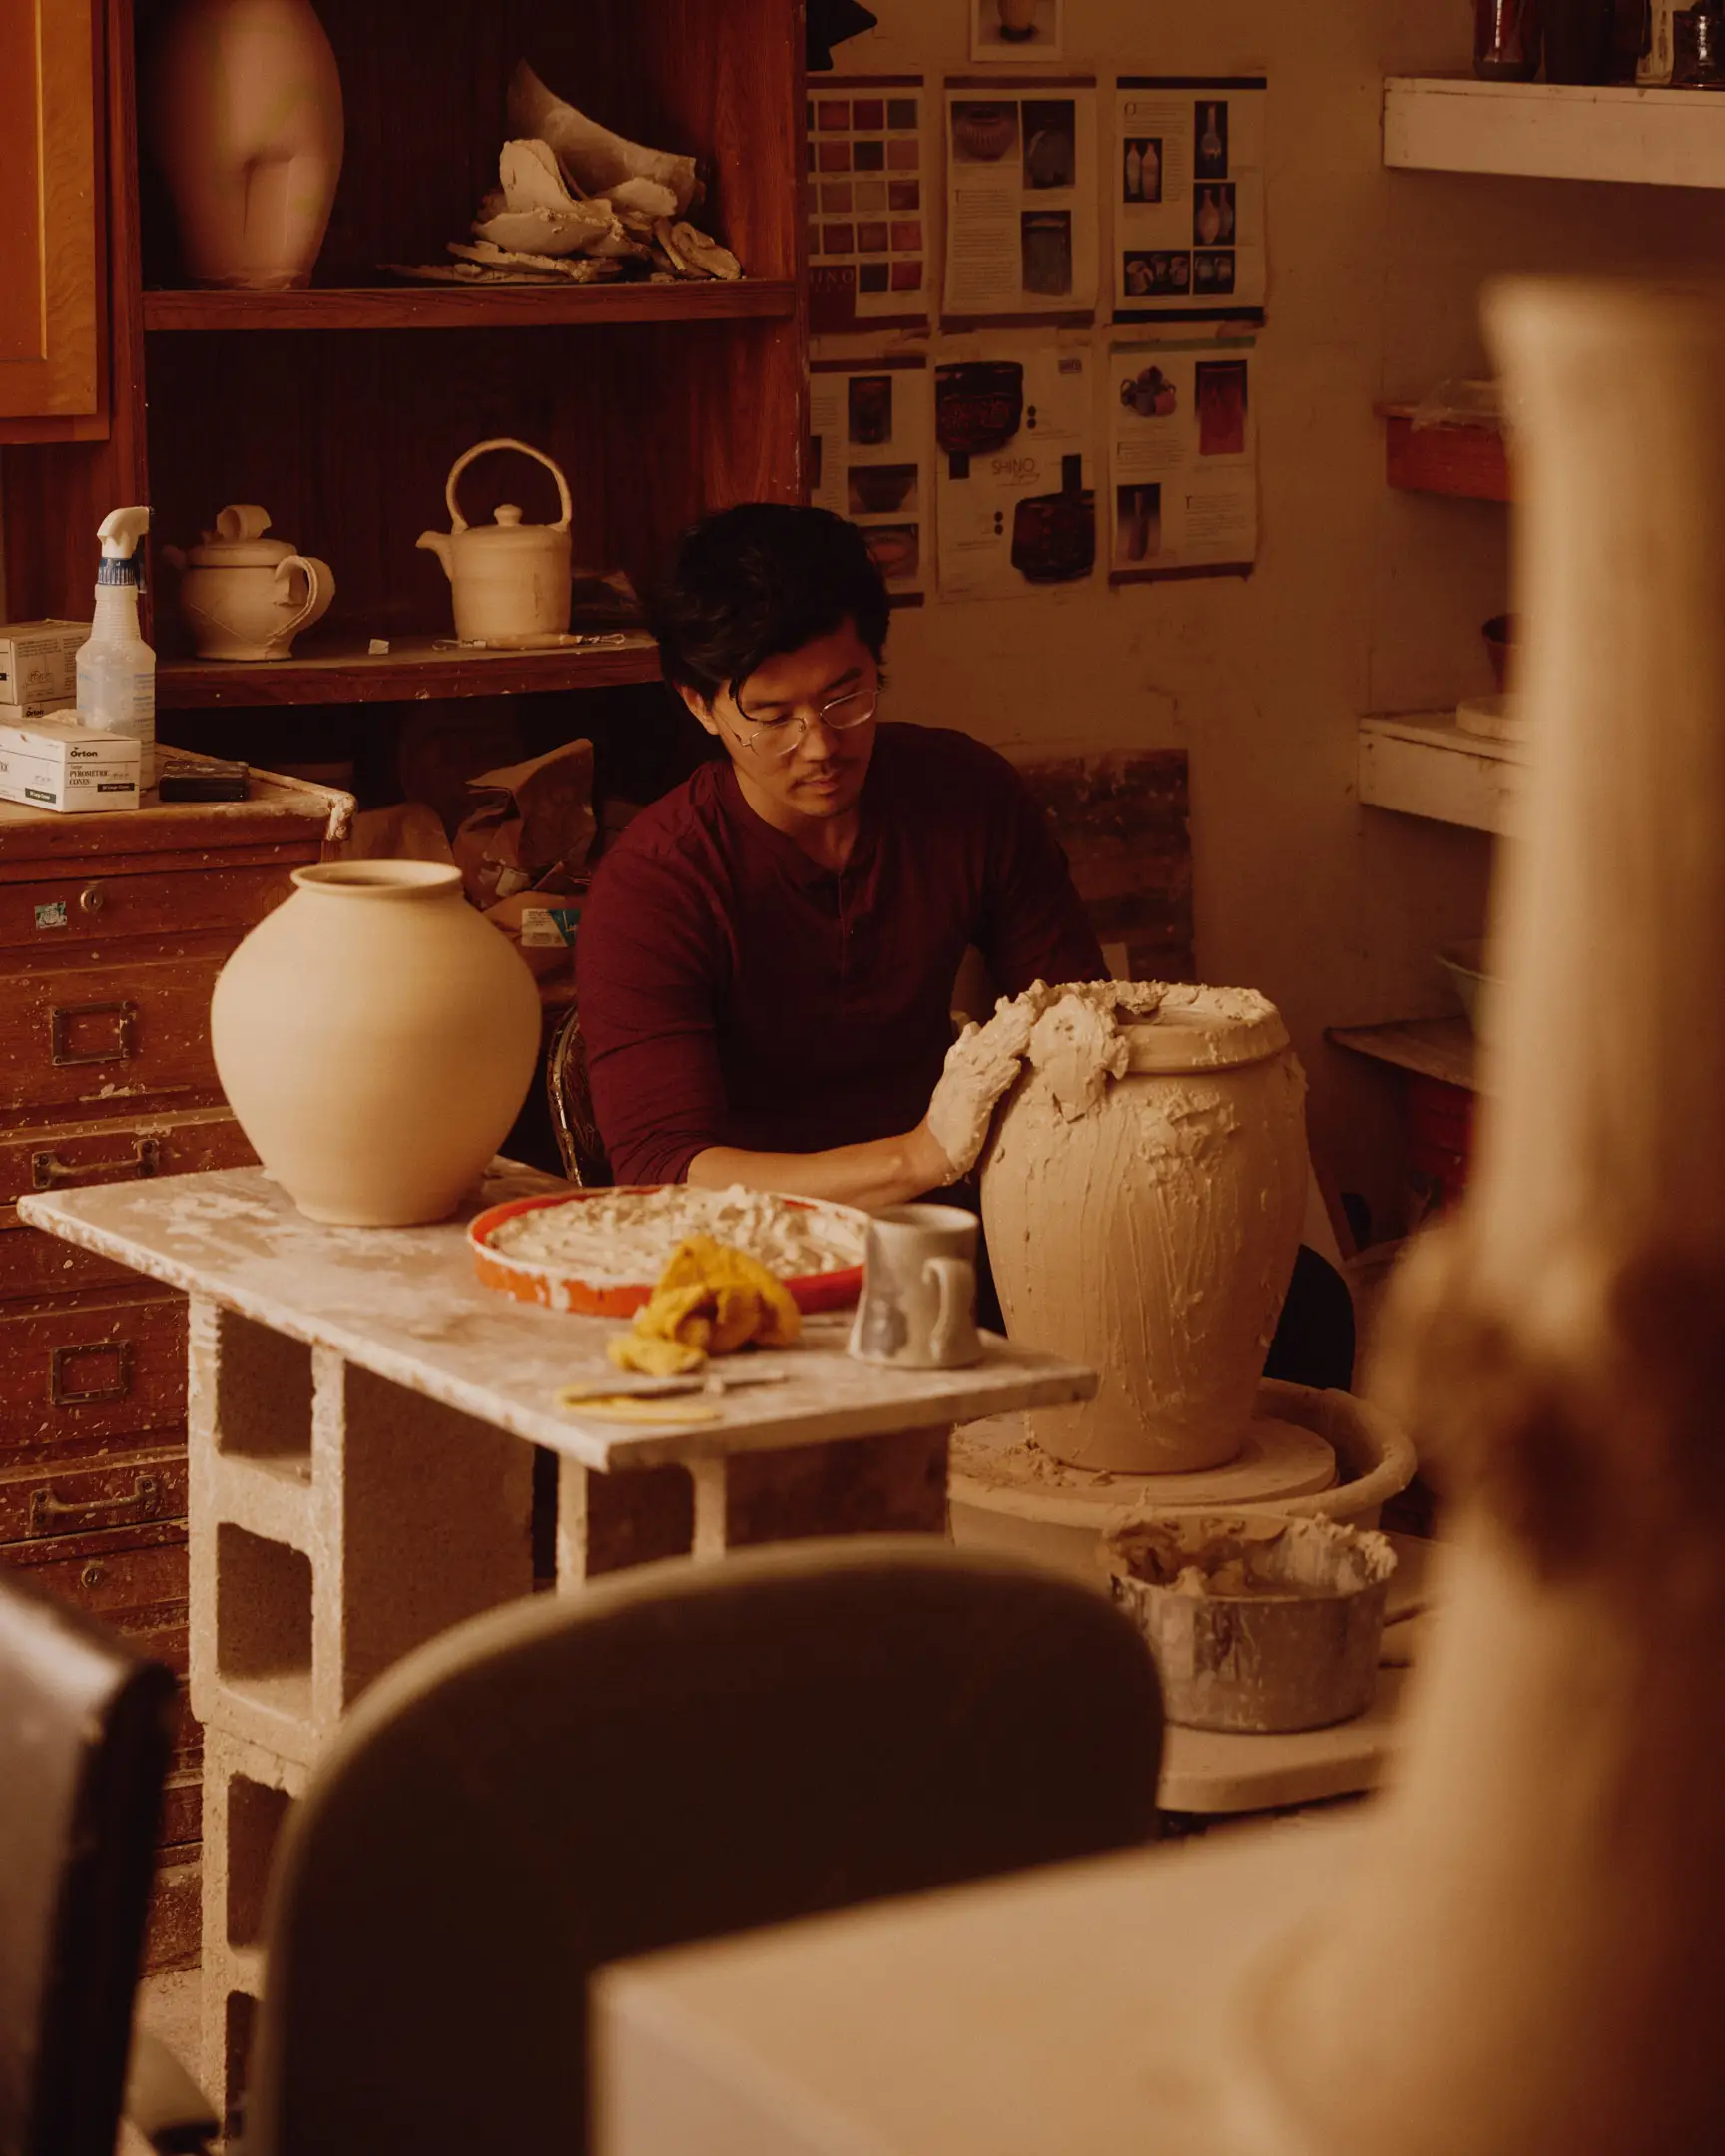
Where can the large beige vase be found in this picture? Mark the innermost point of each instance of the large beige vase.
(376, 1037)
(245, 122)
(1144, 1219)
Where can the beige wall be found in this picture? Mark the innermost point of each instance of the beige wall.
(1361, 599)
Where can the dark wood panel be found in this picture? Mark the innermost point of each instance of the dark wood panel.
(83, 1369)
(173, 1937)
(42, 1503)
(418, 673)
(107, 1033)
(453, 306)
(55, 494)
(36, 1265)
(68, 1155)
(90, 903)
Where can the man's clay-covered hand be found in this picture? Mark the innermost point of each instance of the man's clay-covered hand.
(981, 1063)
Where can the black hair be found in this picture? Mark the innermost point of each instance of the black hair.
(760, 580)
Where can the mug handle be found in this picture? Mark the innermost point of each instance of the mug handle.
(317, 582)
(956, 1281)
(458, 523)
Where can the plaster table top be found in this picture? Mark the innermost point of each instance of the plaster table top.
(403, 1303)
(1086, 2009)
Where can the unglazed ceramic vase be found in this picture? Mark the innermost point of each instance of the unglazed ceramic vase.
(376, 1037)
(1152, 1234)
(1531, 1952)
(246, 126)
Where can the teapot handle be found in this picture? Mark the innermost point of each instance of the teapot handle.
(319, 585)
(458, 523)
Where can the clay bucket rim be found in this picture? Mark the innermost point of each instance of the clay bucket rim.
(1382, 1563)
(397, 880)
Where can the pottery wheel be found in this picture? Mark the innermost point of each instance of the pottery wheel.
(1278, 1460)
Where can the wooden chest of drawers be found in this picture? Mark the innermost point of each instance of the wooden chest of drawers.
(112, 932)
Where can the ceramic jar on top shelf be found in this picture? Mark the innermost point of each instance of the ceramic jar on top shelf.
(245, 119)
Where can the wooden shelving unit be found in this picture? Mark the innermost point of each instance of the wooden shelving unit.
(454, 307)
(1556, 131)
(659, 401)
(414, 669)
(1465, 460)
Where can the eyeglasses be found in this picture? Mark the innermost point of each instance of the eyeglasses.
(784, 736)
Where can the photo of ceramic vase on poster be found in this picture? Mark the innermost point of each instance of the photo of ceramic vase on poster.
(1015, 462)
(1183, 459)
(1022, 207)
(871, 436)
(1188, 179)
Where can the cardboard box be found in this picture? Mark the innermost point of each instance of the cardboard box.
(56, 764)
(38, 660)
(47, 707)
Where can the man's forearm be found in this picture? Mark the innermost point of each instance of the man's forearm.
(881, 1172)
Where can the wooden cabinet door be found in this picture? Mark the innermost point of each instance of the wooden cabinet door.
(48, 269)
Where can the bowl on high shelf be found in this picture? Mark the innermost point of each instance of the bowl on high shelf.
(1466, 965)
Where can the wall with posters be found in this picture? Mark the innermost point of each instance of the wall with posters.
(1361, 599)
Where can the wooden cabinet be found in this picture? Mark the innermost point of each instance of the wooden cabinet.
(111, 929)
(51, 311)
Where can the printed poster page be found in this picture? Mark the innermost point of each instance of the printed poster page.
(1015, 478)
(1021, 197)
(1183, 459)
(868, 176)
(872, 439)
(1188, 192)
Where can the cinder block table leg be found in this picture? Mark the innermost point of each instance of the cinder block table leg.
(855, 1486)
(335, 1523)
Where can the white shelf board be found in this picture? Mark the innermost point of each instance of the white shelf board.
(1423, 765)
(1556, 131)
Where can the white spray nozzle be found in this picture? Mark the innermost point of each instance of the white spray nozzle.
(121, 531)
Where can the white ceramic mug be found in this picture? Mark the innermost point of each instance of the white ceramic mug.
(919, 1305)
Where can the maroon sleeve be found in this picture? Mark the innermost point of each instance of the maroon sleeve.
(1033, 925)
(646, 975)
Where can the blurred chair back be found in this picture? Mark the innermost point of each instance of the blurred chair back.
(571, 1101)
(678, 1752)
(85, 1735)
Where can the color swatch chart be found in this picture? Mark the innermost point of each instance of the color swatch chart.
(868, 205)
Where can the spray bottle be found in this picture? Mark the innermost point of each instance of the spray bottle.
(116, 667)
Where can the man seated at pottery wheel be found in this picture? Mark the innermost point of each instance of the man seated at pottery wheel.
(766, 961)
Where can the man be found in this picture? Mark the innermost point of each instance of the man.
(766, 960)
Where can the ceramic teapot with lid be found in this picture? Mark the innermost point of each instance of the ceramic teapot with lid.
(245, 596)
(511, 582)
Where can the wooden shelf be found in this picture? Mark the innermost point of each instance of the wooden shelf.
(413, 671)
(1465, 460)
(1425, 765)
(455, 306)
(1444, 1049)
(1556, 131)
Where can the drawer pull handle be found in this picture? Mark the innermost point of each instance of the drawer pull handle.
(91, 898)
(63, 1015)
(48, 1171)
(49, 1514)
(60, 1360)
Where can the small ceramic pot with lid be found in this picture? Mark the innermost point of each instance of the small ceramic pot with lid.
(510, 581)
(245, 596)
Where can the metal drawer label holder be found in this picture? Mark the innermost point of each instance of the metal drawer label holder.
(60, 1023)
(61, 1394)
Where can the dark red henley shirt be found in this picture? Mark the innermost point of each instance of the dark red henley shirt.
(735, 993)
